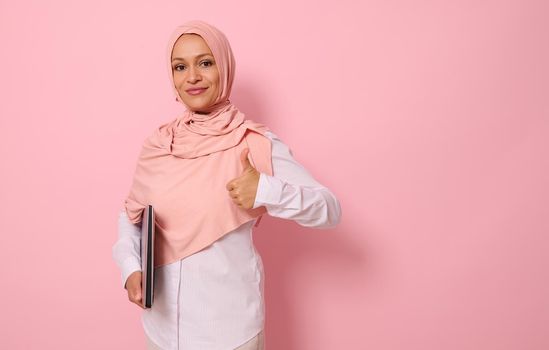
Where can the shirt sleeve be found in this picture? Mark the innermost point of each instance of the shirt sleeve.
(127, 250)
(292, 192)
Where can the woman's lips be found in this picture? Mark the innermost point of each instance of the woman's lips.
(196, 91)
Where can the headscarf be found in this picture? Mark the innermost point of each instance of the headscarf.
(185, 164)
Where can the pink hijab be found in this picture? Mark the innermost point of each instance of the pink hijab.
(184, 164)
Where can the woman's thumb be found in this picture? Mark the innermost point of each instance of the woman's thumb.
(244, 159)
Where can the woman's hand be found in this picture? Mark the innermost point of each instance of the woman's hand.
(244, 188)
(133, 286)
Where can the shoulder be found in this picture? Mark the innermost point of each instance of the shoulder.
(160, 135)
(272, 135)
(265, 131)
(275, 139)
(166, 126)
(279, 147)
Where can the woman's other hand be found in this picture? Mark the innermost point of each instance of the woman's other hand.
(133, 286)
(244, 188)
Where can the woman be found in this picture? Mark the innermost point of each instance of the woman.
(210, 174)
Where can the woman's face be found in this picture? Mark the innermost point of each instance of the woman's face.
(194, 67)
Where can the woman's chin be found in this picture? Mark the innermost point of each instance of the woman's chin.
(196, 107)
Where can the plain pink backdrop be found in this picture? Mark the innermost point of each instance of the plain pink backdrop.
(427, 119)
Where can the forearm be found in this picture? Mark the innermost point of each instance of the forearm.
(307, 205)
(127, 250)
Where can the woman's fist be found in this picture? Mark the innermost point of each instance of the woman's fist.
(244, 188)
(133, 286)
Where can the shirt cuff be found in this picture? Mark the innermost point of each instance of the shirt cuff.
(269, 190)
(129, 266)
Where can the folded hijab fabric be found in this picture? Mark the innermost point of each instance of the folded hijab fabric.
(185, 164)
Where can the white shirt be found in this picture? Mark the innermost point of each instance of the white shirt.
(214, 299)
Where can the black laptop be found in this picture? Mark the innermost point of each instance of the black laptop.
(147, 255)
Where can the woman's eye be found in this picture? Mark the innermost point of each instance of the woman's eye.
(177, 68)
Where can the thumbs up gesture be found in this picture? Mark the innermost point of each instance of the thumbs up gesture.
(243, 189)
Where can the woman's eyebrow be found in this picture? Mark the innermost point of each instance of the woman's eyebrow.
(182, 59)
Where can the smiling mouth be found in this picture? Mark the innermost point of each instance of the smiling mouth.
(196, 91)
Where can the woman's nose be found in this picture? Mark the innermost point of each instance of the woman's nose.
(193, 75)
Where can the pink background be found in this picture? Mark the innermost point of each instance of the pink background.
(427, 119)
